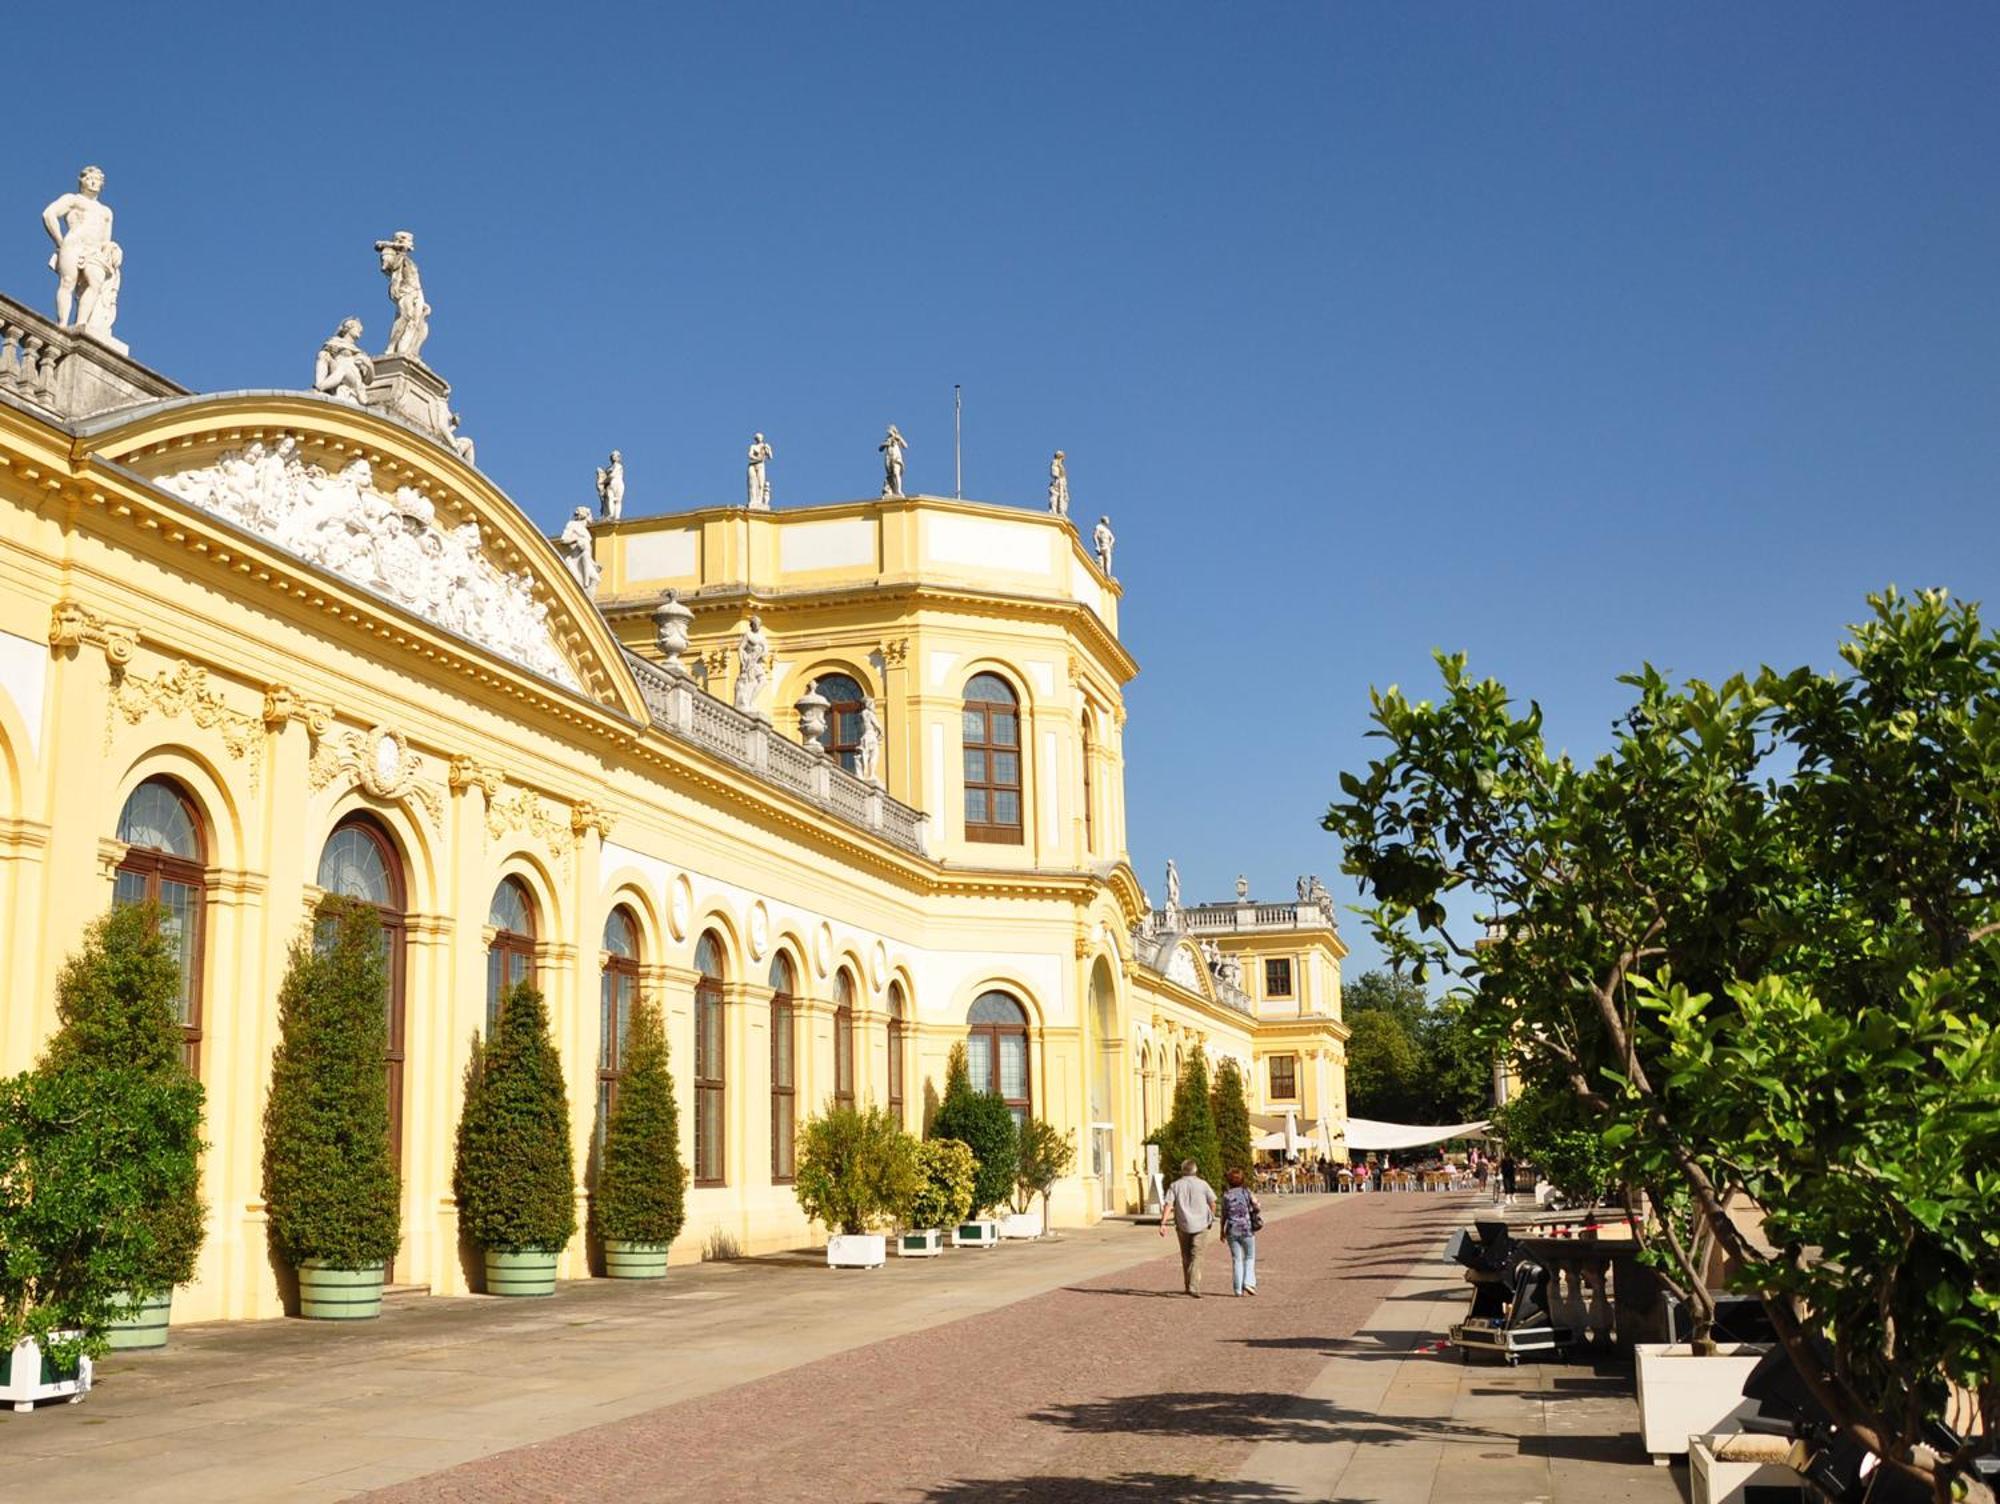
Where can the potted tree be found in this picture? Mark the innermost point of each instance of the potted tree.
(857, 1168)
(331, 1189)
(984, 1123)
(945, 1170)
(1045, 1157)
(640, 1203)
(514, 1175)
(1230, 1111)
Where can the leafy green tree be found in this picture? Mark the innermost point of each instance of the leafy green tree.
(1231, 1111)
(1388, 992)
(857, 1168)
(1046, 1154)
(946, 1171)
(1757, 939)
(1189, 1133)
(514, 1173)
(1557, 1133)
(983, 1122)
(330, 1179)
(1411, 1060)
(1385, 1068)
(642, 1183)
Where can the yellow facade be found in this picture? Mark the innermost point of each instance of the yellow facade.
(145, 636)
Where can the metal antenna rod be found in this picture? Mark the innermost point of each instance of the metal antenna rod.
(958, 441)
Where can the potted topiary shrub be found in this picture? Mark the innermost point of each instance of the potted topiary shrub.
(331, 1190)
(640, 1202)
(945, 1172)
(514, 1175)
(857, 1168)
(983, 1122)
(1045, 1157)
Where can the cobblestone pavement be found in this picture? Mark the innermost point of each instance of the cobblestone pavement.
(1110, 1390)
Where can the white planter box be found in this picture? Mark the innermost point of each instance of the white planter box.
(1681, 1395)
(23, 1381)
(1022, 1225)
(856, 1250)
(982, 1232)
(1721, 1480)
(919, 1243)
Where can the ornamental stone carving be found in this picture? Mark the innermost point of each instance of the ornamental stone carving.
(670, 630)
(185, 691)
(380, 760)
(390, 545)
(469, 772)
(585, 816)
(72, 625)
(283, 704)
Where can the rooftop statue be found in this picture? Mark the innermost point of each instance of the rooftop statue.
(753, 665)
(758, 477)
(342, 368)
(461, 442)
(87, 261)
(892, 447)
(577, 555)
(1173, 886)
(1059, 485)
(868, 749)
(1103, 538)
(406, 291)
(611, 487)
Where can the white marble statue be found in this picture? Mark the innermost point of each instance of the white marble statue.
(87, 262)
(1232, 971)
(579, 558)
(757, 476)
(406, 291)
(1304, 889)
(1102, 538)
(892, 447)
(1211, 953)
(343, 369)
(464, 445)
(1059, 485)
(611, 487)
(1173, 887)
(391, 545)
(753, 666)
(868, 748)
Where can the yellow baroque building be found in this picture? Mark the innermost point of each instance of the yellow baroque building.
(259, 646)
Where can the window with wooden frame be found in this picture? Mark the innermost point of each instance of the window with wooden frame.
(843, 697)
(617, 991)
(784, 1072)
(710, 1088)
(896, 1052)
(360, 861)
(996, 1049)
(1284, 1078)
(843, 1039)
(990, 720)
(510, 958)
(164, 864)
(1278, 976)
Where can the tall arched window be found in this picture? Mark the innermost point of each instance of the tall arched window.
(163, 863)
(784, 1069)
(709, 1085)
(896, 1052)
(510, 959)
(360, 861)
(996, 1047)
(843, 718)
(843, 1039)
(617, 991)
(991, 722)
(1089, 788)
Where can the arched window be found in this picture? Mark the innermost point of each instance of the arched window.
(843, 718)
(617, 991)
(1089, 789)
(510, 959)
(991, 722)
(163, 862)
(1145, 1092)
(784, 1070)
(360, 861)
(843, 1039)
(896, 1052)
(996, 1047)
(709, 1087)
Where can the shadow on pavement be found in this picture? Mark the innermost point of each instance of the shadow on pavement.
(1383, 1345)
(1125, 1488)
(1248, 1415)
(1124, 1290)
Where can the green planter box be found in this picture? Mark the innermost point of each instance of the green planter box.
(634, 1260)
(145, 1327)
(328, 1294)
(521, 1271)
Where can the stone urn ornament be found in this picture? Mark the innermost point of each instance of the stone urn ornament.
(812, 718)
(670, 631)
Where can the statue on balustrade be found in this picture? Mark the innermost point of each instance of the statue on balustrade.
(578, 556)
(611, 487)
(753, 666)
(88, 262)
(343, 369)
(1059, 485)
(868, 748)
(758, 476)
(406, 291)
(892, 447)
(1102, 538)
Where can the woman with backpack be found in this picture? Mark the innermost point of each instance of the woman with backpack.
(1242, 1217)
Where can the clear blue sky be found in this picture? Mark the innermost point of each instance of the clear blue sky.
(1570, 335)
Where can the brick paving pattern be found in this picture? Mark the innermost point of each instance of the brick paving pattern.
(1117, 1389)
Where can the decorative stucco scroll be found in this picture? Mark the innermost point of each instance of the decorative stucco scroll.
(381, 761)
(185, 691)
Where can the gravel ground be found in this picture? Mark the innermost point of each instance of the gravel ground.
(1119, 1389)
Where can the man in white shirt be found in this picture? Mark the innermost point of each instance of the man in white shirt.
(1190, 1205)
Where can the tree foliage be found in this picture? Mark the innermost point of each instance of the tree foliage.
(1756, 939)
(857, 1169)
(641, 1192)
(1046, 1154)
(984, 1122)
(1558, 1134)
(1410, 1060)
(330, 1181)
(1189, 1133)
(514, 1177)
(946, 1171)
(1231, 1111)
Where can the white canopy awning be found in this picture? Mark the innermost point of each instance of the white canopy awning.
(1366, 1133)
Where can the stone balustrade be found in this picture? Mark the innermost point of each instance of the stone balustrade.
(1601, 1291)
(28, 361)
(1248, 918)
(688, 713)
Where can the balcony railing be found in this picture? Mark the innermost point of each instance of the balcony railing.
(688, 713)
(1249, 917)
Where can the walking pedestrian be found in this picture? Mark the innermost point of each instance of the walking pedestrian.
(1242, 1217)
(1190, 1205)
(1508, 1174)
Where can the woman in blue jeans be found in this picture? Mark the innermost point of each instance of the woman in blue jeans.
(1241, 1216)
